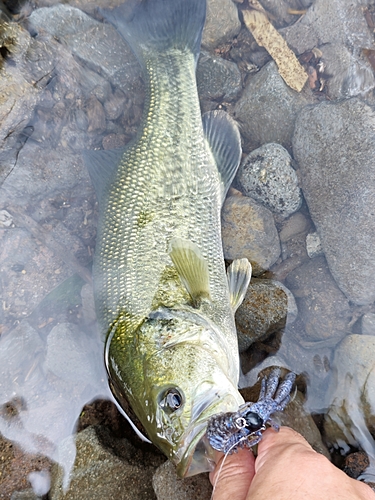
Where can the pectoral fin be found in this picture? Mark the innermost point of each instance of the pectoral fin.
(239, 275)
(191, 266)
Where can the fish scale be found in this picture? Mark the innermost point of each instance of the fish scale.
(142, 183)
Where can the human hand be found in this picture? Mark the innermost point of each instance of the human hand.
(287, 468)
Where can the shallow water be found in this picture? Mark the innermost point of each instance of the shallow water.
(70, 83)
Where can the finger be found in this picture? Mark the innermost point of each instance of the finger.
(232, 475)
(273, 443)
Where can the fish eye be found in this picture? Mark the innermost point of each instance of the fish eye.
(171, 400)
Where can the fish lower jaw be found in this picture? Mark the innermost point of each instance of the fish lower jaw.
(195, 454)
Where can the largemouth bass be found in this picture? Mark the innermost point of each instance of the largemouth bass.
(164, 301)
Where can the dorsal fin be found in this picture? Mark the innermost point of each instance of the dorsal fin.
(225, 142)
(191, 266)
(101, 165)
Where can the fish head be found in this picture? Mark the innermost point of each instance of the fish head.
(180, 379)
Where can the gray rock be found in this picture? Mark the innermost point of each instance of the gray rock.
(106, 468)
(351, 415)
(35, 178)
(25, 495)
(267, 175)
(248, 230)
(18, 94)
(217, 78)
(323, 308)
(97, 45)
(313, 245)
(338, 182)
(295, 224)
(338, 21)
(350, 75)
(268, 108)
(222, 23)
(267, 307)
(279, 10)
(115, 105)
(368, 324)
(168, 485)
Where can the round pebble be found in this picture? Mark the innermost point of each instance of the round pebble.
(267, 175)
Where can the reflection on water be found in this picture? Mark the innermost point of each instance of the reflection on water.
(45, 382)
(68, 83)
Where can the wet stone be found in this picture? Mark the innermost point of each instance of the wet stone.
(95, 44)
(268, 108)
(313, 245)
(222, 23)
(351, 418)
(338, 183)
(107, 468)
(323, 308)
(338, 21)
(350, 75)
(15, 466)
(355, 464)
(168, 485)
(217, 78)
(267, 307)
(267, 175)
(95, 116)
(368, 324)
(248, 230)
(294, 225)
(25, 495)
(115, 105)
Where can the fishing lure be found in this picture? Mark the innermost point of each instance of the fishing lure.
(227, 432)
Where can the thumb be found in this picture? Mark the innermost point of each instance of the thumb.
(232, 475)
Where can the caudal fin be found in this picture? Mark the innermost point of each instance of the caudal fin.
(151, 26)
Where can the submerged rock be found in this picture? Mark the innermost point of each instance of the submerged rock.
(340, 21)
(106, 468)
(267, 175)
(323, 308)
(168, 485)
(217, 78)
(350, 74)
(222, 23)
(267, 307)
(351, 415)
(338, 181)
(95, 44)
(268, 108)
(248, 230)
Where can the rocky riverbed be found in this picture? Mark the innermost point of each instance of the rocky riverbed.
(301, 209)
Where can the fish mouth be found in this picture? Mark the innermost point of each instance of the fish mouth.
(198, 455)
(195, 455)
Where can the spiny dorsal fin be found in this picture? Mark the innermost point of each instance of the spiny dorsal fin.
(225, 142)
(101, 164)
(239, 276)
(191, 266)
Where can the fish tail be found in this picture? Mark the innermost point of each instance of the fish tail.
(151, 26)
